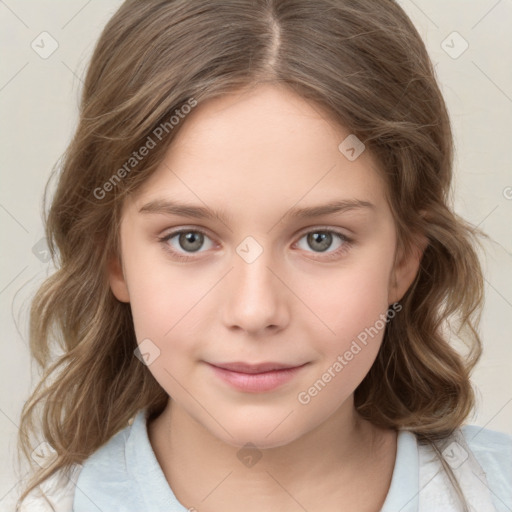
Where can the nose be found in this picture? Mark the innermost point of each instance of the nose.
(256, 300)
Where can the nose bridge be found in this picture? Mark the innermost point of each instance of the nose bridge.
(256, 298)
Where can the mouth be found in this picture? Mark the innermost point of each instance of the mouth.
(255, 368)
(256, 378)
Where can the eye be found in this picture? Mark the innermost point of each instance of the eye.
(321, 240)
(185, 241)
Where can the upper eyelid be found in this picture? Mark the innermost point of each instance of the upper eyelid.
(172, 232)
(175, 231)
(321, 228)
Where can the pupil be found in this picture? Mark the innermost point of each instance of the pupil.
(324, 240)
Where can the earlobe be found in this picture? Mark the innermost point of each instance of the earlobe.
(117, 280)
(406, 268)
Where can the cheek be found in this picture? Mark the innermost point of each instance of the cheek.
(162, 295)
(165, 304)
(159, 301)
(352, 297)
(352, 303)
(356, 312)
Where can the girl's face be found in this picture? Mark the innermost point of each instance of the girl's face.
(286, 256)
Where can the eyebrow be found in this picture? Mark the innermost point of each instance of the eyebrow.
(167, 207)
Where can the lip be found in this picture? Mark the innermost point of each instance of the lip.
(255, 378)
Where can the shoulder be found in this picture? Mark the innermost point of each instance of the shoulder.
(55, 494)
(493, 451)
(106, 469)
(480, 436)
(58, 492)
(106, 478)
(480, 460)
(110, 457)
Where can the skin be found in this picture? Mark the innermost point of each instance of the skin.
(254, 156)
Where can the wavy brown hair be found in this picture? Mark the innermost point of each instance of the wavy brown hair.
(364, 63)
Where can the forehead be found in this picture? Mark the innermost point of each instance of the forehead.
(259, 150)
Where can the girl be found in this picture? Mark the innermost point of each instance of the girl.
(258, 273)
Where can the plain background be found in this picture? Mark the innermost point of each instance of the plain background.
(38, 107)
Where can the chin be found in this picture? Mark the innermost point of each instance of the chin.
(263, 433)
(256, 437)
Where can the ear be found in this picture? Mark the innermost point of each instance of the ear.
(117, 280)
(406, 268)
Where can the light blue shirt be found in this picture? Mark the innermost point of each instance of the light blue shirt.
(125, 476)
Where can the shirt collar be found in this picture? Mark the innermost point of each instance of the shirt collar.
(404, 489)
(143, 466)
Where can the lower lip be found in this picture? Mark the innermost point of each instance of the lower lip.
(256, 382)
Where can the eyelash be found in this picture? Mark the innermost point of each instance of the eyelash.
(347, 242)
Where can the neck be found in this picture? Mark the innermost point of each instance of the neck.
(329, 459)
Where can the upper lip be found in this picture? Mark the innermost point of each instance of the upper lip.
(254, 368)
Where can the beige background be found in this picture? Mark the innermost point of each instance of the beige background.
(38, 105)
